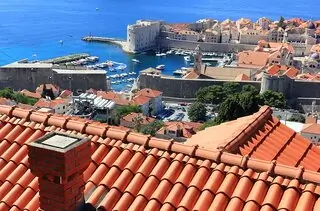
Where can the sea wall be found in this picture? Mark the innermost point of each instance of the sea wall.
(207, 47)
(182, 88)
(31, 78)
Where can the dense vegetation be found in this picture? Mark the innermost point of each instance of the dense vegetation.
(17, 97)
(234, 102)
(297, 118)
(197, 112)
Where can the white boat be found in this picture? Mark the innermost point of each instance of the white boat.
(92, 58)
(179, 72)
(160, 67)
(184, 68)
(161, 54)
(158, 54)
(136, 61)
(187, 58)
(169, 52)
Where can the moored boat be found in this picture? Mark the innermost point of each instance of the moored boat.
(160, 67)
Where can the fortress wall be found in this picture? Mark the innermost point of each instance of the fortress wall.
(182, 88)
(306, 89)
(206, 47)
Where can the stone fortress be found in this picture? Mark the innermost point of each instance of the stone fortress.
(26, 75)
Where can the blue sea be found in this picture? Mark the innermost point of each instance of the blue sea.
(33, 28)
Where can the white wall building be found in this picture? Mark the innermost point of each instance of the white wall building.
(142, 35)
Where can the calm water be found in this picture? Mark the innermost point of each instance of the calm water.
(36, 26)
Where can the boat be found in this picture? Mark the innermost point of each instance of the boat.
(187, 58)
(109, 63)
(161, 54)
(179, 72)
(136, 61)
(92, 59)
(160, 67)
(169, 52)
(120, 67)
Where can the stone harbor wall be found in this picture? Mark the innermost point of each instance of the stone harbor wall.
(206, 47)
(182, 88)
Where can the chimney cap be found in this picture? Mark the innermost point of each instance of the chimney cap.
(59, 142)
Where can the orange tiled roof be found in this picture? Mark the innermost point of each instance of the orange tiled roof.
(256, 58)
(65, 93)
(242, 77)
(312, 128)
(5, 101)
(115, 97)
(27, 93)
(140, 100)
(49, 103)
(145, 120)
(130, 171)
(188, 128)
(149, 93)
(282, 70)
(260, 136)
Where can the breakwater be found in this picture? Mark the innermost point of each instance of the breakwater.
(109, 40)
(68, 58)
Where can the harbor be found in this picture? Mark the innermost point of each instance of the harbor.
(114, 41)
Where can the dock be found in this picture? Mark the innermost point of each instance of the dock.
(68, 58)
(105, 40)
(213, 59)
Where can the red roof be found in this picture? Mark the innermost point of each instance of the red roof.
(27, 93)
(188, 128)
(115, 97)
(311, 128)
(261, 136)
(44, 103)
(132, 116)
(140, 100)
(65, 93)
(130, 171)
(149, 93)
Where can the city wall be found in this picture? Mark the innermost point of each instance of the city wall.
(207, 47)
(31, 78)
(182, 88)
(298, 93)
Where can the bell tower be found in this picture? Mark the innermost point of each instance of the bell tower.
(197, 60)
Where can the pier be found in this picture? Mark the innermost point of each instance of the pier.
(105, 40)
(68, 58)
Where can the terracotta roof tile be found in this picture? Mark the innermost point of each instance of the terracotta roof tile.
(27, 93)
(242, 77)
(132, 116)
(140, 100)
(135, 172)
(149, 93)
(311, 128)
(260, 136)
(188, 128)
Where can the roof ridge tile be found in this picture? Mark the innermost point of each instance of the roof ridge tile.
(242, 134)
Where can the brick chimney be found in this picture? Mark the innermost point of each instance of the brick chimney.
(311, 119)
(59, 160)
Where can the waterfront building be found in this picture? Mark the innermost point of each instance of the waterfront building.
(187, 35)
(264, 23)
(252, 35)
(142, 36)
(155, 99)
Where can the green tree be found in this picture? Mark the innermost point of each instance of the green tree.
(137, 122)
(151, 128)
(281, 23)
(210, 94)
(273, 99)
(197, 111)
(297, 118)
(17, 97)
(236, 106)
(250, 88)
(230, 88)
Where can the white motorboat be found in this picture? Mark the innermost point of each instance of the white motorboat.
(187, 58)
(160, 67)
(136, 61)
(179, 72)
(92, 58)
